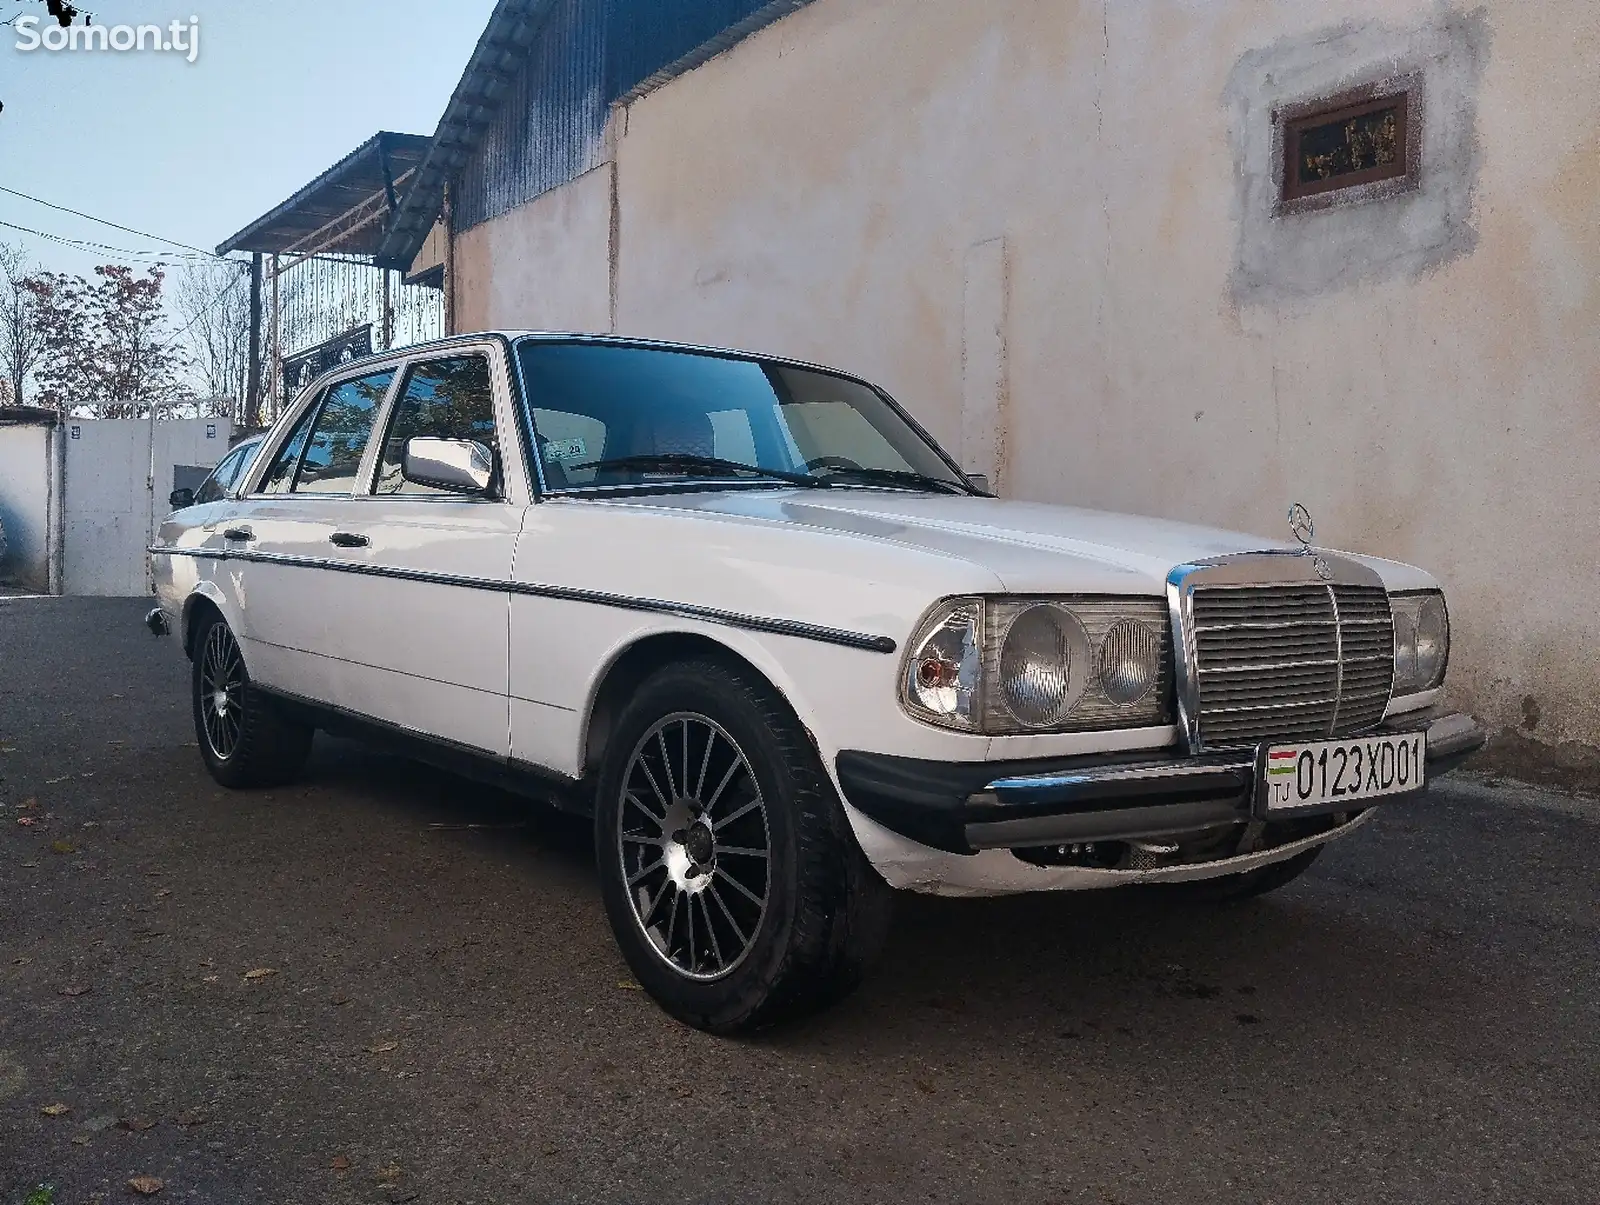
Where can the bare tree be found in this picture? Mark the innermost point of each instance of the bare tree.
(22, 332)
(213, 300)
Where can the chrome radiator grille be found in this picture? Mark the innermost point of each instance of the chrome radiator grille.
(1291, 662)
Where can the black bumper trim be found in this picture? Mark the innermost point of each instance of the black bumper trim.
(961, 807)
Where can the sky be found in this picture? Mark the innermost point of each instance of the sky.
(193, 152)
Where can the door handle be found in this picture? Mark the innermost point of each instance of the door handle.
(348, 539)
(238, 533)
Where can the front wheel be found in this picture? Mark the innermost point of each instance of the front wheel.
(245, 740)
(733, 883)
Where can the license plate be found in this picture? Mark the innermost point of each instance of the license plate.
(1328, 774)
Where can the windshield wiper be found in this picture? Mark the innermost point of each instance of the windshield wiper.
(899, 477)
(690, 465)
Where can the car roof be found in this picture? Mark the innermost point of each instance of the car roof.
(512, 335)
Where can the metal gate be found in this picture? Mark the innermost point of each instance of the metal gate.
(119, 473)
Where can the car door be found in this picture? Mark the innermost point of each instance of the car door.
(282, 536)
(427, 651)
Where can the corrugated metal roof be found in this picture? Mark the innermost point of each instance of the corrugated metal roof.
(324, 216)
(530, 110)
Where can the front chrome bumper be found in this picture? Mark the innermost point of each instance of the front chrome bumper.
(967, 807)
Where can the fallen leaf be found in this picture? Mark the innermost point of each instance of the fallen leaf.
(340, 1164)
(146, 1186)
(31, 865)
(26, 821)
(209, 978)
(260, 973)
(392, 1172)
(20, 962)
(924, 1086)
(28, 804)
(628, 985)
(339, 1001)
(78, 989)
(136, 1125)
(191, 1117)
(63, 847)
(56, 1110)
(91, 824)
(163, 893)
(382, 1048)
(80, 1140)
(397, 1196)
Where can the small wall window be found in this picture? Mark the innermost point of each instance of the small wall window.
(1353, 147)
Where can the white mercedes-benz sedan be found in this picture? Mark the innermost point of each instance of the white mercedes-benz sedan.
(751, 618)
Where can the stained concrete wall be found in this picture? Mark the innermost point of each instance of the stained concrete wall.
(545, 265)
(1046, 226)
(25, 500)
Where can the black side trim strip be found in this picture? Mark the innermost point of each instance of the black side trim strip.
(508, 773)
(732, 619)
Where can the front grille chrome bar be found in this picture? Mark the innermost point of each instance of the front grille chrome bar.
(1329, 607)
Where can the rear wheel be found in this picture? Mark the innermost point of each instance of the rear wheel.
(732, 881)
(244, 738)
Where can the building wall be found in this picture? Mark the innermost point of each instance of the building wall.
(1045, 225)
(25, 462)
(545, 265)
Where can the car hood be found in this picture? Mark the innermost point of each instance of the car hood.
(1029, 546)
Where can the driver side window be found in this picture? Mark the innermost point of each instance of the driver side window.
(442, 399)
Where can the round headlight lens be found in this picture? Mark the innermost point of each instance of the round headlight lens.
(1405, 650)
(1130, 659)
(1042, 663)
(1433, 641)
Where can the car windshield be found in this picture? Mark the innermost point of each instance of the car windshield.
(618, 415)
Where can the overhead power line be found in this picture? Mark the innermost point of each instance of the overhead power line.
(105, 222)
(92, 248)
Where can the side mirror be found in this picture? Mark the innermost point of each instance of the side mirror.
(979, 482)
(462, 466)
(178, 499)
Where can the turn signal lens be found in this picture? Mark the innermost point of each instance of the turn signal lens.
(941, 678)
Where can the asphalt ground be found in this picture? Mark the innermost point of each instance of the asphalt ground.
(447, 1019)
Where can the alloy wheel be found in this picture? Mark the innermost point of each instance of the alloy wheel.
(695, 847)
(222, 685)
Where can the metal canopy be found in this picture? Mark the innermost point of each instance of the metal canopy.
(347, 209)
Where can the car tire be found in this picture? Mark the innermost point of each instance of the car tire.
(736, 889)
(1236, 888)
(244, 737)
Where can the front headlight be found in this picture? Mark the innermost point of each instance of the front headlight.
(1421, 641)
(1014, 665)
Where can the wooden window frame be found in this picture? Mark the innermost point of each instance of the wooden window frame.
(1404, 94)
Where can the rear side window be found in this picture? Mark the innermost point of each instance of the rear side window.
(222, 479)
(280, 476)
(442, 399)
(333, 454)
